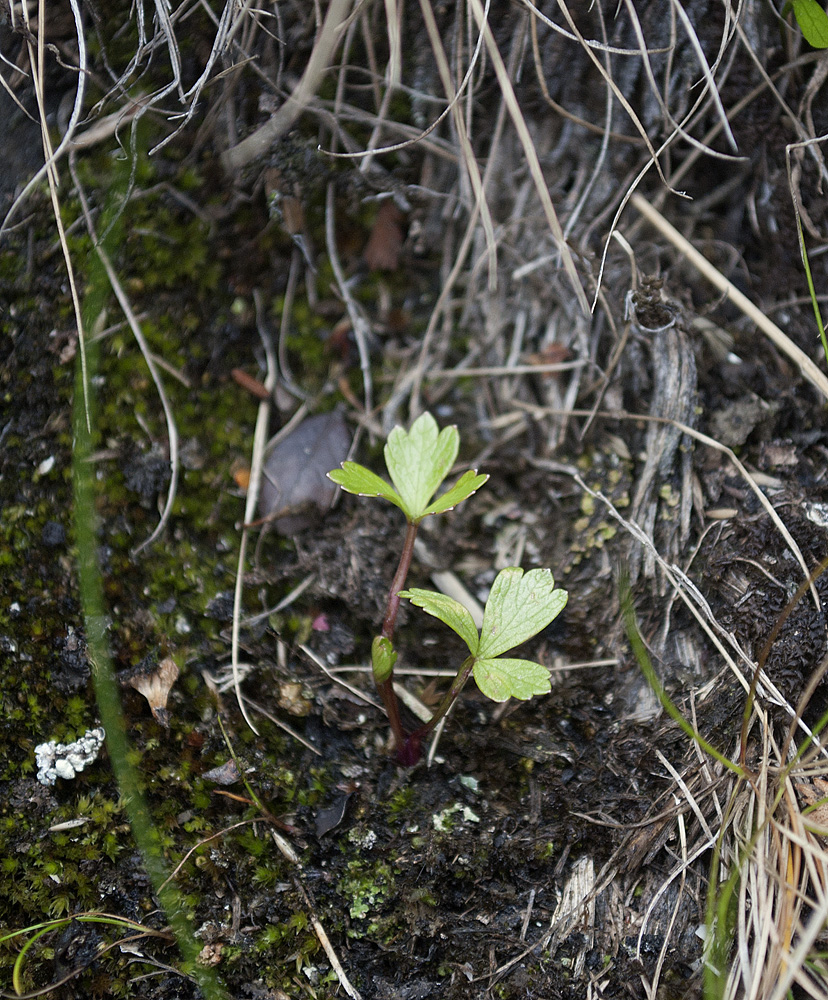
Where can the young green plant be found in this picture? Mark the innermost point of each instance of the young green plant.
(519, 605)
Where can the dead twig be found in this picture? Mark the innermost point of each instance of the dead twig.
(257, 144)
(328, 948)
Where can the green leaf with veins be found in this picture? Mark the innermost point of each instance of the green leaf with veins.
(419, 460)
(449, 611)
(470, 482)
(355, 478)
(519, 606)
(503, 678)
(812, 21)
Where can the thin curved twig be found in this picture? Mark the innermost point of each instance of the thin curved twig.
(359, 324)
(49, 167)
(52, 157)
(256, 465)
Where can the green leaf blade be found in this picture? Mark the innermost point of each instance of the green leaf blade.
(418, 461)
(812, 21)
(519, 606)
(355, 478)
(469, 483)
(449, 611)
(500, 679)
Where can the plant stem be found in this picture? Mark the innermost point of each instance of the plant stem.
(90, 587)
(146, 834)
(392, 710)
(398, 583)
(386, 687)
(459, 682)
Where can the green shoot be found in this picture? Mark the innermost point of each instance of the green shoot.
(519, 606)
(644, 661)
(37, 931)
(811, 290)
(418, 462)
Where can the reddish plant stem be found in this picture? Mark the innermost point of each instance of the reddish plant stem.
(386, 688)
(398, 583)
(392, 710)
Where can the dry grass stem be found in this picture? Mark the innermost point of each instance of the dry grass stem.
(327, 947)
(359, 324)
(809, 370)
(236, 158)
(260, 435)
(37, 65)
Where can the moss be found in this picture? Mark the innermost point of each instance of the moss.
(401, 801)
(367, 885)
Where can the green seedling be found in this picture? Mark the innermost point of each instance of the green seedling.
(519, 606)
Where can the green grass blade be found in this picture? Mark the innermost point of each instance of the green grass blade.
(107, 691)
(811, 290)
(644, 661)
(17, 970)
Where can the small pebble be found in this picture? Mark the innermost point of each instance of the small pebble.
(53, 534)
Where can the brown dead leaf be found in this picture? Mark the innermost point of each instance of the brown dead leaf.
(295, 486)
(382, 252)
(552, 354)
(815, 797)
(251, 384)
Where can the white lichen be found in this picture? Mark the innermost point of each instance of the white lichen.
(65, 760)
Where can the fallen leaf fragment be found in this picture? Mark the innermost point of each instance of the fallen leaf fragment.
(295, 488)
(382, 252)
(225, 774)
(154, 683)
(292, 700)
(256, 388)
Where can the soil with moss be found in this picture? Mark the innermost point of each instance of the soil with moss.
(529, 858)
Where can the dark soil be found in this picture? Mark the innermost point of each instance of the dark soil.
(523, 861)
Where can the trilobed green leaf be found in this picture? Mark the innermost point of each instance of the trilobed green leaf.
(419, 460)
